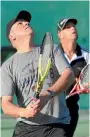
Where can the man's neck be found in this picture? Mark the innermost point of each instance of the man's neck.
(25, 49)
(69, 48)
(24, 45)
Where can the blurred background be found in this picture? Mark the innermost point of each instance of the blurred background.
(45, 16)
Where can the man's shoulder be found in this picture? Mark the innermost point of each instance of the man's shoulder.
(85, 50)
(8, 61)
(57, 48)
(85, 53)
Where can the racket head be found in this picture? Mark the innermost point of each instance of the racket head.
(84, 78)
(45, 59)
(83, 82)
(46, 49)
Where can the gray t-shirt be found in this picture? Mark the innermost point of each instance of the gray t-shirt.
(19, 76)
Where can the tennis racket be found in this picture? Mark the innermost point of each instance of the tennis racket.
(45, 61)
(83, 82)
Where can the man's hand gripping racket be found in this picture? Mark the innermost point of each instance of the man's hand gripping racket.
(82, 83)
(45, 61)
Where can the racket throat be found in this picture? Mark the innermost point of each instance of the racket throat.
(36, 95)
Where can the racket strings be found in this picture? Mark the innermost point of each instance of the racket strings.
(84, 79)
(82, 84)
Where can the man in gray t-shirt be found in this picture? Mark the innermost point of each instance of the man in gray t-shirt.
(19, 76)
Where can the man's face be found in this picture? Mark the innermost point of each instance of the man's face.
(21, 28)
(69, 32)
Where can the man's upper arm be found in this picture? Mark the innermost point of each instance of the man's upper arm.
(60, 61)
(7, 99)
(7, 84)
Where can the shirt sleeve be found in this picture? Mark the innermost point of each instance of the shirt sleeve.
(7, 83)
(87, 58)
(86, 54)
(60, 60)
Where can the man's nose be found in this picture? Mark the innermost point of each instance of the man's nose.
(73, 28)
(26, 23)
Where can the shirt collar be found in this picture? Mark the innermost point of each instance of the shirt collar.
(78, 53)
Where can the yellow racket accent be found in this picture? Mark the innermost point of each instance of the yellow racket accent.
(42, 75)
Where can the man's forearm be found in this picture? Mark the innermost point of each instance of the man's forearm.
(64, 81)
(12, 110)
(15, 111)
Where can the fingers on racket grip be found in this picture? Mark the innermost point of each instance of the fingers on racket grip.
(36, 95)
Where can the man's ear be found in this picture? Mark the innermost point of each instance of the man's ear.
(12, 37)
(60, 34)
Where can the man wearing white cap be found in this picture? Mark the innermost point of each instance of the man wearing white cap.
(77, 57)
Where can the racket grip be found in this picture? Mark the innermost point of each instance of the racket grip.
(71, 95)
(36, 95)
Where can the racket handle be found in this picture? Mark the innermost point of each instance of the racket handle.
(36, 95)
(72, 94)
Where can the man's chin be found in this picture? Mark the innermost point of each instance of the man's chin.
(31, 34)
(75, 38)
